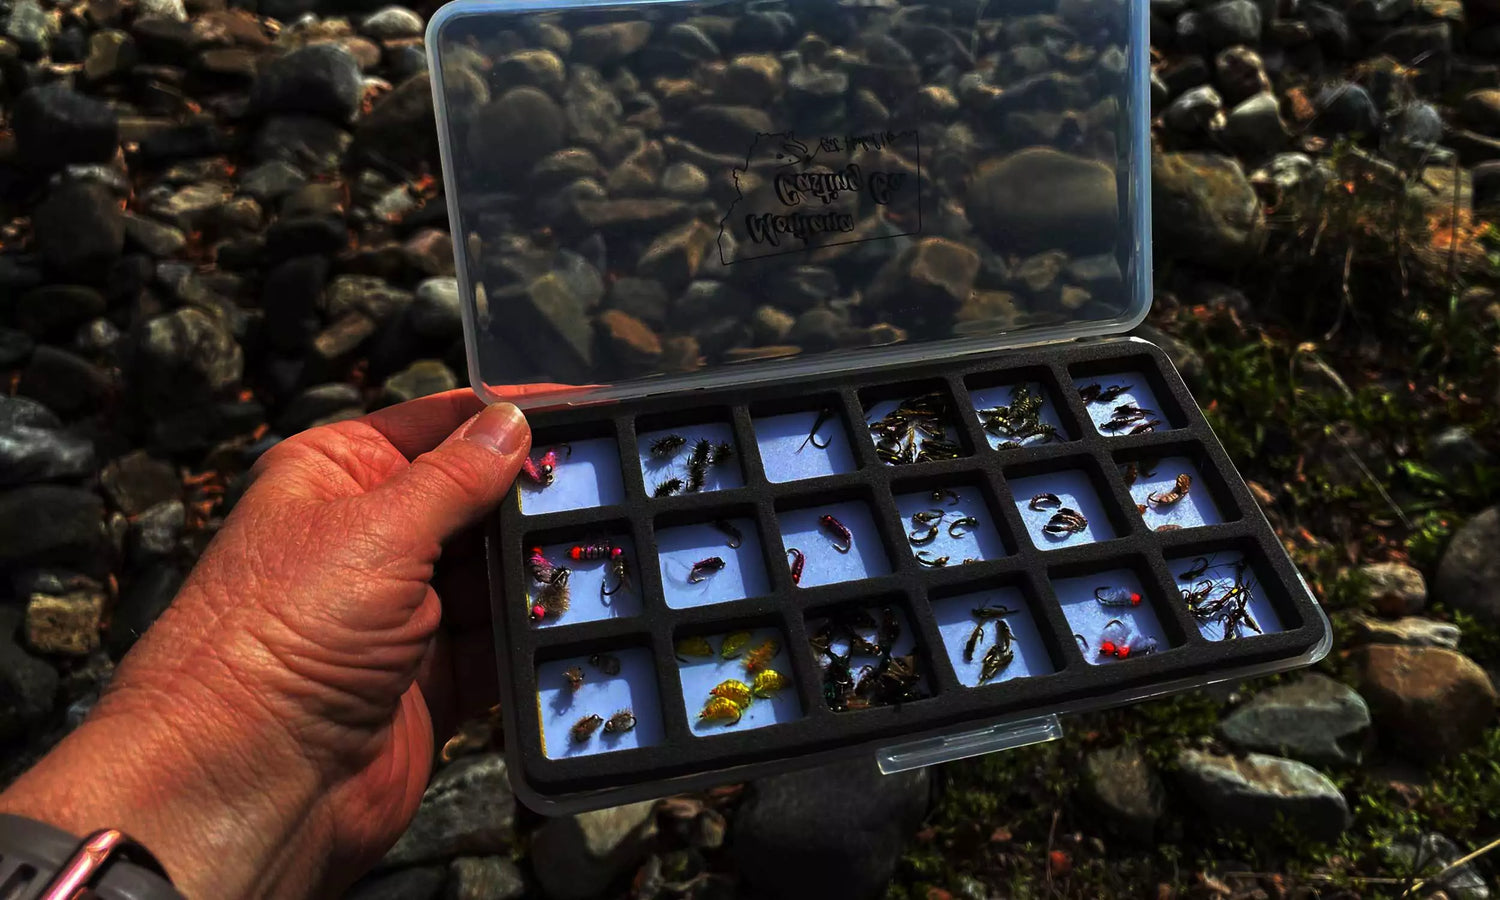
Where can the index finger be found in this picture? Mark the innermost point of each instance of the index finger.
(416, 426)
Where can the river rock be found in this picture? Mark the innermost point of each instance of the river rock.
(30, 29)
(1205, 210)
(1412, 631)
(1434, 853)
(390, 22)
(577, 857)
(28, 686)
(34, 448)
(56, 126)
(1043, 199)
(66, 624)
(515, 130)
(46, 524)
(1195, 111)
(155, 238)
(416, 883)
(436, 309)
(468, 808)
(421, 378)
(1315, 719)
(1231, 22)
(319, 80)
(1261, 792)
(609, 43)
(1124, 787)
(924, 286)
(313, 144)
(1468, 577)
(402, 127)
(186, 357)
(791, 836)
(65, 382)
(368, 294)
(1345, 108)
(54, 310)
(1255, 128)
(1393, 588)
(78, 229)
(144, 598)
(484, 878)
(1428, 703)
(632, 343)
(136, 481)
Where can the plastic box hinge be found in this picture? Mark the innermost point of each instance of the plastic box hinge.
(949, 747)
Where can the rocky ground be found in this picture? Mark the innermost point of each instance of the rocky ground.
(220, 225)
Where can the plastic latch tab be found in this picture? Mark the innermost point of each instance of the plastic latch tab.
(992, 739)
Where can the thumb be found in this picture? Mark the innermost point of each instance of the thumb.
(452, 486)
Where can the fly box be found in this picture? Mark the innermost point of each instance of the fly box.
(841, 452)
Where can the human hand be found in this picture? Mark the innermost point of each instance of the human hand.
(271, 735)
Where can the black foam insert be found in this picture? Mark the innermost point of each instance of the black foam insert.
(683, 760)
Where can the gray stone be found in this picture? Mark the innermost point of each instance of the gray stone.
(1041, 199)
(156, 238)
(15, 347)
(484, 878)
(554, 309)
(1124, 787)
(1378, 11)
(592, 112)
(468, 808)
(1393, 588)
(78, 229)
(192, 206)
(1468, 578)
(1195, 111)
(368, 294)
(38, 452)
(174, 10)
(1435, 853)
(186, 357)
(1240, 74)
(30, 29)
(1231, 22)
(1481, 110)
(391, 22)
(515, 130)
(577, 857)
(1315, 719)
(725, 129)
(1204, 210)
(436, 311)
(684, 181)
(416, 883)
(1345, 108)
(791, 837)
(1261, 792)
(1255, 127)
(606, 44)
(270, 181)
(28, 686)
(423, 377)
(319, 80)
(540, 69)
(1454, 451)
(65, 382)
(154, 533)
(136, 481)
(143, 600)
(1412, 631)
(56, 126)
(674, 257)
(312, 144)
(45, 524)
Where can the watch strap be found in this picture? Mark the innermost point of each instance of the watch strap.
(41, 862)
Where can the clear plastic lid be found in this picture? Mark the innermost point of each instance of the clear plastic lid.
(657, 196)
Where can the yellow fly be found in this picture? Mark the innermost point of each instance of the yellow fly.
(768, 680)
(756, 659)
(720, 708)
(737, 692)
(694, 646)
(734, 644)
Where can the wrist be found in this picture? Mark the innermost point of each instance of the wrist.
(218, 799)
